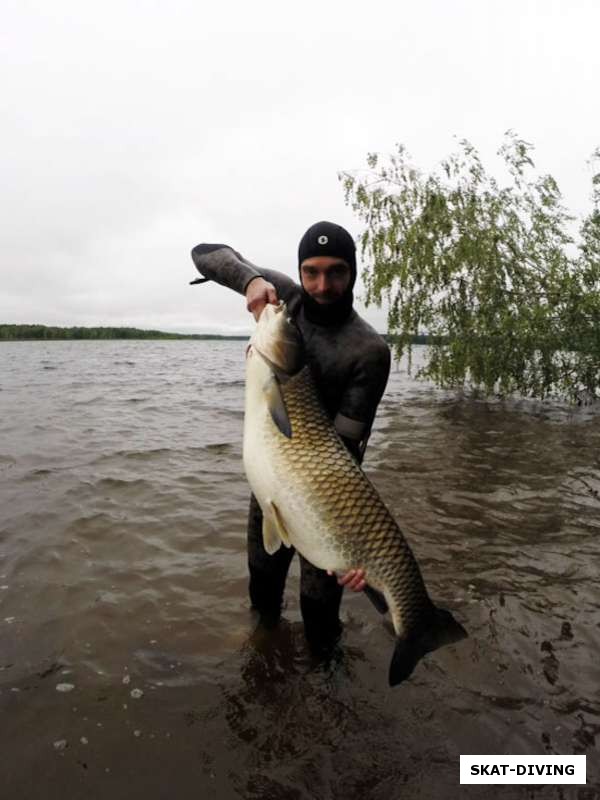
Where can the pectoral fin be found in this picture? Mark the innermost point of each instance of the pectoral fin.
(277, 407)
(273, 530)
(281, 529)
(271, 538)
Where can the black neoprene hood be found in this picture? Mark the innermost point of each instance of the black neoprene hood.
(328, 239)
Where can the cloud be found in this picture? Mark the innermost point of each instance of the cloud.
(132, 133)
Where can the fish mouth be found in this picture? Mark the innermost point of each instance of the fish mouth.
(278, 340)
(281, 308)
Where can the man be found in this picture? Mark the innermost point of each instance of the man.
(351, 364)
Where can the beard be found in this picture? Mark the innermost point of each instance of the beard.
(328, 313)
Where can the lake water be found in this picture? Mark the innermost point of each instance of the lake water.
(130, 666)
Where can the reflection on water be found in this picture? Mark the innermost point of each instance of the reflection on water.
(122, 575)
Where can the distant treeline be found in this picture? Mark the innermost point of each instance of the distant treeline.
(23, 332)
(12, 332)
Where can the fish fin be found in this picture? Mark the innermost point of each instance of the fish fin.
(282, 531)
(270, 534)
(377, 599)
(442, 629)
(277, 407)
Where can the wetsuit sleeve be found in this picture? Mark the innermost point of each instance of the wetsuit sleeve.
(362, 396)
(224, 265)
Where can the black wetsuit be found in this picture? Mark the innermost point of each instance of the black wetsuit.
(351, 364)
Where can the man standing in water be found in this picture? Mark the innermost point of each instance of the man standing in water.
(350, 362)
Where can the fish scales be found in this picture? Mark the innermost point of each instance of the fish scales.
(315, 497)
(353, 516)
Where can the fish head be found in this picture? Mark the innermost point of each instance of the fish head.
(278, 339)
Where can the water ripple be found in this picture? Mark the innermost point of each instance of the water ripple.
(122, 563)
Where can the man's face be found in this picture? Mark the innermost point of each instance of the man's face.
(325, 278)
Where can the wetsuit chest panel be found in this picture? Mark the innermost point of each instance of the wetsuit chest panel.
(332, 361)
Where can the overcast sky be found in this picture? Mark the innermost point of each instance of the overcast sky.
(133, 131)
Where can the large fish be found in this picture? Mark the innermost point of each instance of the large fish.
(315, 497)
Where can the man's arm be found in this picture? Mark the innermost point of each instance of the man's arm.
(224, 265)
(362, 397)
(259, 292)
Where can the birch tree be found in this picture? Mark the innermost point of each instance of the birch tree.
(500, 276)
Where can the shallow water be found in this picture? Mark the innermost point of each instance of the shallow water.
(122, 575)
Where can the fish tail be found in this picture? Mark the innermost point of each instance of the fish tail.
(442, 629)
